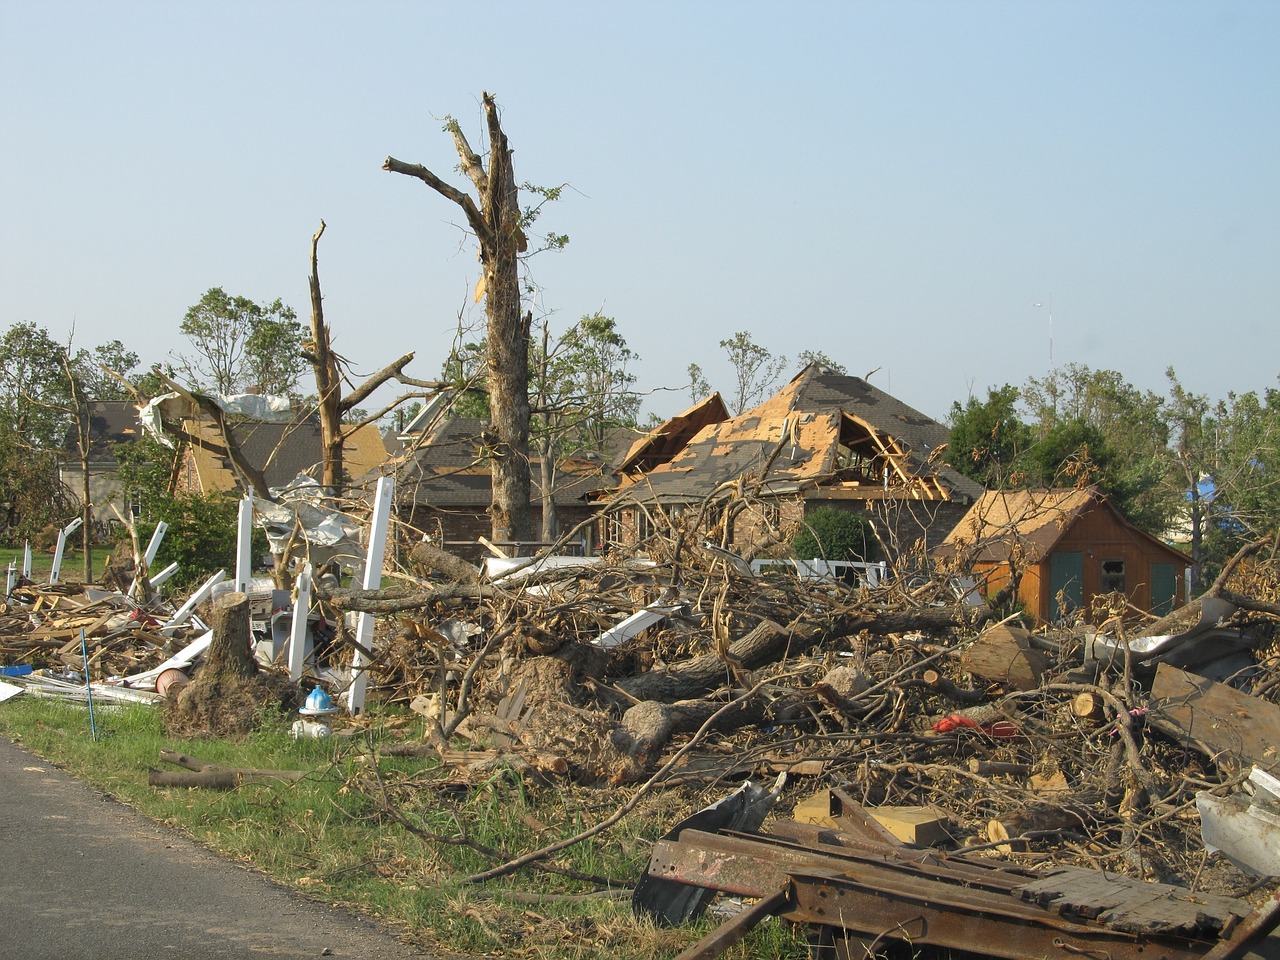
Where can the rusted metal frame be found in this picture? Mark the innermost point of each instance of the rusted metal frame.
(844, 907)
(1249, 931)
(738, 926)
(844, 891)
(807, 839)
(744, 867)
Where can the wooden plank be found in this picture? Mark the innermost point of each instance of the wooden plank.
(1215, 718)
(1132, 906)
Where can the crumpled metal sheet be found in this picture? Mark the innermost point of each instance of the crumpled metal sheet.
(331, 535)
(174, 406)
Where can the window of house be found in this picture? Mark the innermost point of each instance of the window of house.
(1112, 576)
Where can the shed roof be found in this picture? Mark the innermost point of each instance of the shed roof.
(1032, 521)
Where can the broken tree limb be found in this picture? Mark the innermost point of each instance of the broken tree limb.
(399, 599)
(218, 778)
(708, 671)
(541, 854)
(648, 726)
(211, 776)
(445, 564)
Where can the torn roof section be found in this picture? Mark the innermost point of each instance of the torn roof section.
(830, 433)
(280, 450)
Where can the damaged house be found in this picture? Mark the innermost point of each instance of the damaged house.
(1069, 546)
(111, 422)
(279, 451)
(445, 489)
(825, 439)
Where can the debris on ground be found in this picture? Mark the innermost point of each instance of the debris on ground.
(1016, 769)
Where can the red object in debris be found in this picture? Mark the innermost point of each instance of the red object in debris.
(1001, 729)
(144, 618)
(954, 722)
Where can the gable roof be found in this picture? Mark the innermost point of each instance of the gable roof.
(110, 421)
(821, 429)
(280, 450)
(1033, 521)
(450, 469)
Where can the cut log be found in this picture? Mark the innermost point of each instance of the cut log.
(231, 651)
(217, 778)
(1004, 654)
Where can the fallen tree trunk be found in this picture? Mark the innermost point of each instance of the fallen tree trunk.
(211, 776)
(217, 778)
(769, 641)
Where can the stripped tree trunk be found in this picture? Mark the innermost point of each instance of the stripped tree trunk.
(496, 223)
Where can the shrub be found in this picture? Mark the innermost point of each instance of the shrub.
(829, 533)
(201, 537)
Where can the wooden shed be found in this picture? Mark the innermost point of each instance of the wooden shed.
(1071, 545)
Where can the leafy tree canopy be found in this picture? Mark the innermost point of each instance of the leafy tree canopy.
(239, 345)
(987, 437)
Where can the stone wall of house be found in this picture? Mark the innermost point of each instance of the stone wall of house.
(462, 530)
(911, 528)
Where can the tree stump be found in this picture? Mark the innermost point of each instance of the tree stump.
(230, 651)
(229, 695)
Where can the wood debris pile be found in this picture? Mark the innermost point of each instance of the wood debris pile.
(966, 727)
(41, 627)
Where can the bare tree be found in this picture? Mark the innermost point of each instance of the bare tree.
(497, 223)
(327, 366)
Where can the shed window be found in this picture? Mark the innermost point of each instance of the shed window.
(1113, 576)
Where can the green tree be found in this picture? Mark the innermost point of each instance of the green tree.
(1128, 437)
(36, 401)
(829, 533)
(755, 370)
(988, 438)
(1227, 471)
(581, 390)
(240, 345)
(201, 537)
(114, 356)
(807, 357)
(699, 386)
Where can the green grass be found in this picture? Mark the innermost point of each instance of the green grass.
(329, 834)
(42, 562)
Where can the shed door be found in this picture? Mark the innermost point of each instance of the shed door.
(1164, 588)
(1066, 584)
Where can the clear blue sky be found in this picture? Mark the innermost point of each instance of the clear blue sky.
(892, 183)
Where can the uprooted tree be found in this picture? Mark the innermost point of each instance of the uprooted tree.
(497, 223)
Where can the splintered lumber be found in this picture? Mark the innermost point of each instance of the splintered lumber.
(1215, 719)
(1004, 654)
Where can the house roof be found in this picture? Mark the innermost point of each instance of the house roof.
(110, 421)
(449, 469)
(1031, 521)
(823, 429)
(280, 450)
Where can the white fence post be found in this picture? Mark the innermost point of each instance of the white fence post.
(372, 580)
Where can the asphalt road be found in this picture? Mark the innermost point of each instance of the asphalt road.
(83, 876)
